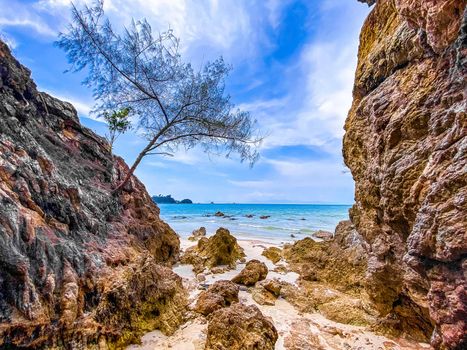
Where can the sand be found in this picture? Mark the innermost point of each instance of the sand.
(288, 321)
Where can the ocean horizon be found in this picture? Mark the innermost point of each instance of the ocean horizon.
(270, 222)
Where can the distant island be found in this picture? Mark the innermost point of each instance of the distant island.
(160, 199)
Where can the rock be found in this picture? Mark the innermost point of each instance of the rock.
(240, 327)
(266, 292)
(220, 294)
(272, 253)
(79, 265)
(197, 234)
(249, 216)
(405, 145)
(263, 297)
(341, 263)
(324, 235)
(220, 249)
(292, 235)
(265, 217)
(302, 338)
(219, 214)
(334, 305)
(253, 272)
(200, 277)
(273, 286)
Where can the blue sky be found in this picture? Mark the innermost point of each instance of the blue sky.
(293, 62)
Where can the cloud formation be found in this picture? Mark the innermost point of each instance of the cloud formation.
(294, 63)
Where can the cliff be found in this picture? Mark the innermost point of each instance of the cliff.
(80, 268)
(405, 145)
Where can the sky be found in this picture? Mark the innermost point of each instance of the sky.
(293, 68)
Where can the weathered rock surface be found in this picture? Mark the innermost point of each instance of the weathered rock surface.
(340, 262)
(78, 266)
(266, 292)
(220, 249)
(253, 272)
(197, 234)
(324, 235)
(221, 294)
(240, 327)
(273, 253)
(405, 145)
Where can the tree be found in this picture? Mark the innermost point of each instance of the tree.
(118, 123)
(174, 105)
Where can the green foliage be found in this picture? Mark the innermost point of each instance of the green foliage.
(118, 123)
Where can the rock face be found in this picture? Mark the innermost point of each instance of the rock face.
(78, 266)
(253, 272)
(240, 327)
(220, 249)
(405, 144)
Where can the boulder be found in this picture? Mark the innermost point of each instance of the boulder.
(340, 262)
(221, 294)
(272, 253)
(266, 292)
(240, 327)
(220, 249)
(197, 234)
(253, 272)
(324, 235)
(219, 214)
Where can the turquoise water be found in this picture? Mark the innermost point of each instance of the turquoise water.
(284, 220)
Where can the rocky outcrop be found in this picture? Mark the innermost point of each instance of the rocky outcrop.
(253, 272)
(340, 263)
(240, 327)
(79, 267)
(221, 294)
(221, 249)
(405, 145)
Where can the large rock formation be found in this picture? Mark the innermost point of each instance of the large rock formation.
(406, 146)
(79, 267)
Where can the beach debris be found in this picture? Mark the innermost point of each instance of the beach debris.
(265, 217)
(197, 234)
(221, 294)
(253, 272)
(324, 235)
(240, 327)
(273, 253)
(218, 250)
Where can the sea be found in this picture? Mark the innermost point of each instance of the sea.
(280, 223)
